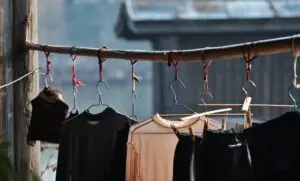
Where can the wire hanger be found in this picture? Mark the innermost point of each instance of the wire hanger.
(205, 84)
(248, 60)
(100, 63)
(176, 80)
(134, 79)
(206, 92)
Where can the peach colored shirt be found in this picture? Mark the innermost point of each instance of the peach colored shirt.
(151, 146)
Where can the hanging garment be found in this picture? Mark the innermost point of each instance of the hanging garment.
(275, 147)
(224, 157)
(151, 146)
(90, 146)
(183, 164)
(49, 111)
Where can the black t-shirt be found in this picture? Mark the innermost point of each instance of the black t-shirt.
(93, 147)
(48, 113)
(225, 156)
(275, 147)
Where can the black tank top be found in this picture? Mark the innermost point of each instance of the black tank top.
(48, 113)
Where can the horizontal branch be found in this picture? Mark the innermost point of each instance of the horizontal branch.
(256, 48)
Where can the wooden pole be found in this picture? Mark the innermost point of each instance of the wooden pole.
(2, 72)
(26, 158)
(256, 48)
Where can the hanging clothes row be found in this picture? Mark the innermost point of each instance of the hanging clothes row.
(169, 147)
(263, 152)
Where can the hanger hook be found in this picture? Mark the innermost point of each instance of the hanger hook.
(100, 102)
(100, 62)
(99, 90)
(175, 101)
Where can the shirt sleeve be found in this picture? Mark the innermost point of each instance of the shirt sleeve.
(63, 171)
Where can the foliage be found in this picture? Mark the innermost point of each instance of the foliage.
(6, 167)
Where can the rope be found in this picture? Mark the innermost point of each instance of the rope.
(19, 79)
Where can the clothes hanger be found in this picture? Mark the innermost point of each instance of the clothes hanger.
(108, 109)
(249, 60)
(75, 111)
(100, 102)
(175, 80)
(206, 92)
(189, 120)
(75, 83)
(175, 101)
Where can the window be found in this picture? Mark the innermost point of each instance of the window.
(90, 23)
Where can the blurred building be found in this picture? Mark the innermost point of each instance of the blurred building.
(173, 24)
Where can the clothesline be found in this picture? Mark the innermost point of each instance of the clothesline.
(255, 48)
(19, 79)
